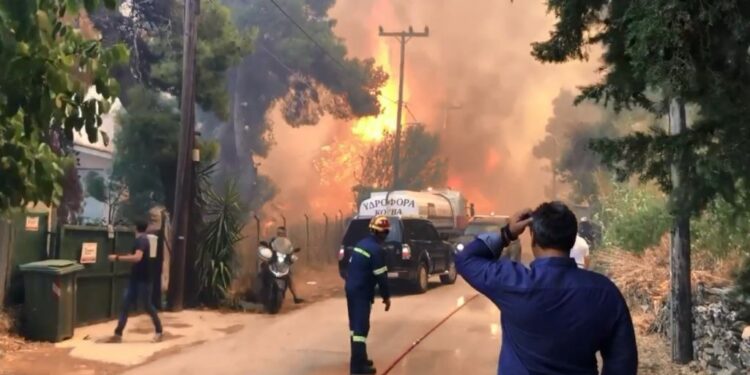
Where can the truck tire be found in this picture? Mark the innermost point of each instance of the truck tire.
(421, 283)
(450, 277)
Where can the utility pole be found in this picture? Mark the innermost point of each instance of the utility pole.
(681, 327)
(185, 173)
(403, 37)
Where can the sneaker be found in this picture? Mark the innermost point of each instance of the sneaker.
(158, 337)
(299, 300)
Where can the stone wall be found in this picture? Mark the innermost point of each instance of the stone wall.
(722, 340)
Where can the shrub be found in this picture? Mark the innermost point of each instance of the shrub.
(634, 217)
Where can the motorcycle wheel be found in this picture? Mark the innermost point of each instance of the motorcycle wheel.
(275, 300)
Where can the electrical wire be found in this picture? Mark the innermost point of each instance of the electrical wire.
(339, 63)
(325, 51)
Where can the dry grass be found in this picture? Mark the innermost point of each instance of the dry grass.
(644, 278)
(644, 281)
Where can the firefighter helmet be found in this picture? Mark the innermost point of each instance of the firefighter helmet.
(380, 223)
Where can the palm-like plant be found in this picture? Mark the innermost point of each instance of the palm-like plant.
(221, 230)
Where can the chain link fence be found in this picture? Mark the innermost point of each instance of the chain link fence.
(319, 237)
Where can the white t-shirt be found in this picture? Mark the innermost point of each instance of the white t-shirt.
(579, 251)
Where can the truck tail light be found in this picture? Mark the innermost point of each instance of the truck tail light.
(405, 252)
(341, 253)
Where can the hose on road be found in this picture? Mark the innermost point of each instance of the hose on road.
(419, 340)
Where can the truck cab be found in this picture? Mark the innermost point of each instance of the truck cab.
(414, 251)
(489, 224)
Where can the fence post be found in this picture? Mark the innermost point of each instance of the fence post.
(307, 238)
(325, 238)
(257, 228)
(283, 219)
(6, 246)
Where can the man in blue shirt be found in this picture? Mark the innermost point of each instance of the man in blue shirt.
(555, 317)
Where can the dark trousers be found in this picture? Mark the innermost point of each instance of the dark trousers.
(135, 290)
(359, 327)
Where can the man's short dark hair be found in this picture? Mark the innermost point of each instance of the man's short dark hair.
(554, 226)
(141, 226)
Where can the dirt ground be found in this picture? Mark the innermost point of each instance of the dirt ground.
(654, 358)
(20, 357)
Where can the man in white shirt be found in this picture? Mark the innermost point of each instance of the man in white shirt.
(580, 252)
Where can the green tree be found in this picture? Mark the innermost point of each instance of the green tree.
(420, 165)
(153, 30)
(46, 69)
(688, 52)
(289, 70)
(146, 146)
(106, 190)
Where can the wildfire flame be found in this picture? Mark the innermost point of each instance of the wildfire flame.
(339, 161)
(372, 129)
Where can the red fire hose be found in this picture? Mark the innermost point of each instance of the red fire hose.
(419, 340)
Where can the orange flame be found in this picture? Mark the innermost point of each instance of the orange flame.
(372, 129)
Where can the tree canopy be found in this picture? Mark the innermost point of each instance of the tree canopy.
(47, 67)
(153, 30)
(306, 78)
(656, 50)
(420, 165)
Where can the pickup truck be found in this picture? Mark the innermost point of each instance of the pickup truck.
(414, 251)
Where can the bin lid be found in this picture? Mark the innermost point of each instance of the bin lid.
(52, 266)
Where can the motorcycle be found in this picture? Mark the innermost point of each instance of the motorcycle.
(274, 273)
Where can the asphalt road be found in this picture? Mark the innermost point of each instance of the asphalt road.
(315, 340)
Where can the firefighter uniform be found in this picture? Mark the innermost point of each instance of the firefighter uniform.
(366, 270)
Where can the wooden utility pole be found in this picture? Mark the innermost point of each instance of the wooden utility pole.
(185, 173)
(403, 37)
(681, 327)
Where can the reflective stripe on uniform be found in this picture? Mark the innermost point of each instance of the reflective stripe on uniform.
(365, 253)
(380, 271)
(356, 338)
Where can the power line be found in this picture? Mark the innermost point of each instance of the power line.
(278, 60)
(410, 112)
(312, 39)
(307, 34)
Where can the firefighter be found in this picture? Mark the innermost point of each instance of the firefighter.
(366, 270)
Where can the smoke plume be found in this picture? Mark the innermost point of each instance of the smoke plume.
(477, 57)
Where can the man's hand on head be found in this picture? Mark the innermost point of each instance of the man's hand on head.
(519, 221)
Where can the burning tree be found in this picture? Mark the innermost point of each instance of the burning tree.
(421, 167)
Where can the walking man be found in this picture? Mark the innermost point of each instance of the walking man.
(366, 270)
(140, 283)
(555, 316)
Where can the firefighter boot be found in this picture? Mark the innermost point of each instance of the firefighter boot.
(359, 363)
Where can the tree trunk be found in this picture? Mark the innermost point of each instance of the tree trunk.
(681, 296)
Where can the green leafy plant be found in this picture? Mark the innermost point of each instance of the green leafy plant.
(47, 67)
(106, 190)
(634, 218)
(221, 230)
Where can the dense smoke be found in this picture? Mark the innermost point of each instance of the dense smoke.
(477, 57)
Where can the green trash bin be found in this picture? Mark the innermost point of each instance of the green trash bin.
(50, 305)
